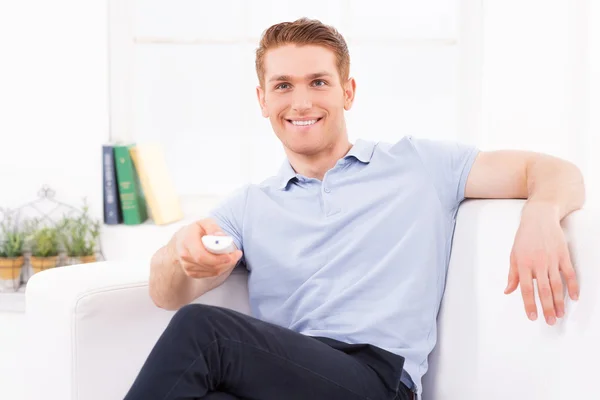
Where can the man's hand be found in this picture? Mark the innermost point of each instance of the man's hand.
(540, 252)
(195, 260)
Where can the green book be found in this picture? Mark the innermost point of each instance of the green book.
(131, 196)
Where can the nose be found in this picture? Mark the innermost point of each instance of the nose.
(301, 101)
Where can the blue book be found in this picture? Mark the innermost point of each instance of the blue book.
(112, 205)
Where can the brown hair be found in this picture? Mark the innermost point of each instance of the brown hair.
(301, 32)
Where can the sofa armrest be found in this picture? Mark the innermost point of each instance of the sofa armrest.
(90, 327)
(487, 348)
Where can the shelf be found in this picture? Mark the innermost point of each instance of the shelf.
(193, 207)
(130, 242)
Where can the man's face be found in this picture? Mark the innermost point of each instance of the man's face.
(304, 98)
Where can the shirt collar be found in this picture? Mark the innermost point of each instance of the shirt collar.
(286, 173)
(362, 150)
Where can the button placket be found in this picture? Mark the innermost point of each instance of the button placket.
(328, 201)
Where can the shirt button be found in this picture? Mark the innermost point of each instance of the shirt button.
(327, 190)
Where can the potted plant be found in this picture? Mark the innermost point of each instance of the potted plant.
(11, 253)
(44, 248)
(80, 237)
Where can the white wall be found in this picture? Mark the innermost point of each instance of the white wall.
(507, 74)
(498, 74)
(194, 79)
(592, 125)
(540, 77)
(53, 99)
(533, 81)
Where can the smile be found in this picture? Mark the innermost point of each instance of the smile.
(305, 122)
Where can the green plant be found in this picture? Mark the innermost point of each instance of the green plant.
(79, 234)
(44, 242)
(12, 238)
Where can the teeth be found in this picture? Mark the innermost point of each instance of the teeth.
(304, 122)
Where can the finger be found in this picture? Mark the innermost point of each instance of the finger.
(236, 255)
(232, 262)
(222, 260)
(225, 260)
(546, 298)
(203, 256)
(197, 265)
(526, 283)
(210, 226)
(193, 250)
(199, 274)
(566, 266)
(230, 259)
(202, 270)
(557, 290)
(182, 254)
(513, 277)
(208, 260)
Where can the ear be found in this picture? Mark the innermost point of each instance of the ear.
(260, 94)
(349, 93)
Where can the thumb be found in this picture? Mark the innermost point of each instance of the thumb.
(236, 256)
(513, 279)
(210, 227)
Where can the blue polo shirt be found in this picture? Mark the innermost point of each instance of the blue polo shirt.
(361, 256)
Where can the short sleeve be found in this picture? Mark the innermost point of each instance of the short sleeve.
(448, 164)
(229, 215)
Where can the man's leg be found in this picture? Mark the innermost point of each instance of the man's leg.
(220, 396)
(206, 349)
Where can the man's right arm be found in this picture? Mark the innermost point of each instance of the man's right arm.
(183, 270)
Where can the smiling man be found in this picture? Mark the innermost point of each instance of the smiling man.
(347, 247)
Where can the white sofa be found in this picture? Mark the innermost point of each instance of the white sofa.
(90, 327)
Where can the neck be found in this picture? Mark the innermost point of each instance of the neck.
(316, 165)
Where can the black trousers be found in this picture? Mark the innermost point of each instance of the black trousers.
(209, 352)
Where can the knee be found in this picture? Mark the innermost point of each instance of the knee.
(192, 312)
(195, 316)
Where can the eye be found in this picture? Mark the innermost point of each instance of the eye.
(317, 81)
(282, 86)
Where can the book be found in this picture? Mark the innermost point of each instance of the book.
(131, 196)
(112, 204)
(163, 201)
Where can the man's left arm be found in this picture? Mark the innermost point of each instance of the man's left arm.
(553, 188)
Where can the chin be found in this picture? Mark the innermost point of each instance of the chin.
(304, 146)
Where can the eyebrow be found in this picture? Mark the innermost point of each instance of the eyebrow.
(315, 75)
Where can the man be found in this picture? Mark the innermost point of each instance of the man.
(347, 248)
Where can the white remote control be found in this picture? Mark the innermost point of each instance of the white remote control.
(219, 244)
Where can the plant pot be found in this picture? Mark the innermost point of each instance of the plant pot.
(10, 273)
(82, 260)
(41, 263)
